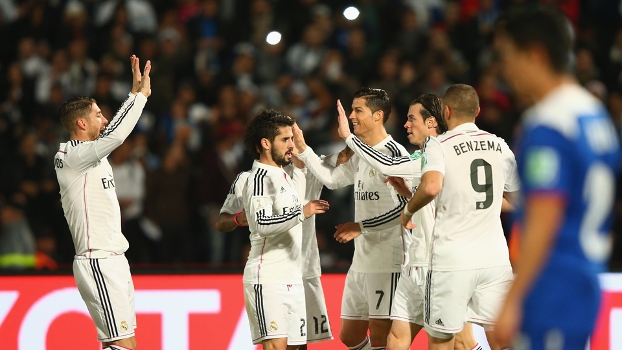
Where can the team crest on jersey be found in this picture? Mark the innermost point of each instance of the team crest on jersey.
(273, 326)
(123, 326)
(372, 173)
(260, 203)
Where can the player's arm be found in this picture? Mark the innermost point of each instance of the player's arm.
(332, 178)
(431, 182)
(228, 222)
(403, 166)
(509, 201)
(232, 213)
(121, 124)
(545, 205)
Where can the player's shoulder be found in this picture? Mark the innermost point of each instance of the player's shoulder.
(562, 109)
(395, 148)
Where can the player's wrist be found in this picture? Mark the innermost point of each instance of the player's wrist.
(407, 212)
(235, 218)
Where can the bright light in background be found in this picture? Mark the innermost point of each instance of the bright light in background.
(273, 38)
(351, 13)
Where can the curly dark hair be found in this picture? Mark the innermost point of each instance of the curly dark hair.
(375, 99)
(432, 107)
(264, 125)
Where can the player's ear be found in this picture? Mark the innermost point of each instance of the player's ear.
(81, 124)
(265, 143)
(447, 112)
(478, 110)
(378, 115)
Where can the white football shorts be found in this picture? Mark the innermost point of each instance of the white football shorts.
(368, 295)
(276, 310)
(318, 325)
(409, 295)
(106, 287)
(456, 297)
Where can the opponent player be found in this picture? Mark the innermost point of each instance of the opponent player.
(380, 250)
(469, 270)
(232, 215)
(91, 208)
(425, 118)
(273, 288)
(568, 158)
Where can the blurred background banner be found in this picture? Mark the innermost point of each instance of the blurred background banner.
(194, 312)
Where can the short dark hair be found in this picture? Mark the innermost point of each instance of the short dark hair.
(527, 27)
(431, 106)
(74, 108)
(376, 100)
(462, 99)
(264, 125)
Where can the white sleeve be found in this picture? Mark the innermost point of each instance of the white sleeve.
(260, 214)
(299, 178)
(233, 202)
(331, 159)
(86, 153)
(332, 178)
(402, 166)
(388, 219)
(433, 157)
(512, 181)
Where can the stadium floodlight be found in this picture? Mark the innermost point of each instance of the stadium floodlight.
(273, 37)
(351, 13)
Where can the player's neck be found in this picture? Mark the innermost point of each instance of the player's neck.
(267, 160)
(374, 137)
(79, 137)
(548, 82)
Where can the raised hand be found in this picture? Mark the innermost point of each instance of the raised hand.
(316, 206)
(347, 232)
(140, 83)
(299, 139)
(342, 122)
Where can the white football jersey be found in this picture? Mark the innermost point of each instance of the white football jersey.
(478, 167)
(382, 245)
(313, 189)
(233, 203)
(407, 167)
(274, 214)
(87, 188)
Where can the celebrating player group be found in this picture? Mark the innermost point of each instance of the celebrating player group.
(430, 251)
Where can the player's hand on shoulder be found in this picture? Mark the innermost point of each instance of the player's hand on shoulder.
(317, 206)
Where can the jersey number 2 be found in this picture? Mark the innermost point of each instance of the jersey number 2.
(486, 187)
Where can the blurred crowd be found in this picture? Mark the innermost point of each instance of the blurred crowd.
(212, 70)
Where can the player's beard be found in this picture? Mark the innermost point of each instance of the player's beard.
(279, 159)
